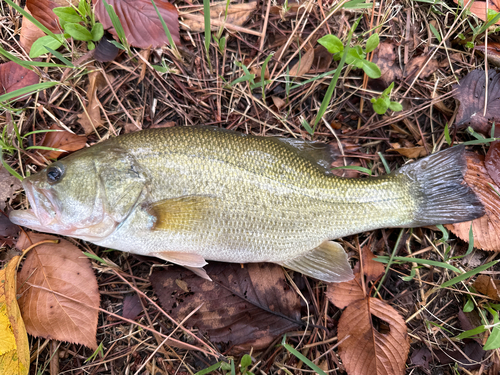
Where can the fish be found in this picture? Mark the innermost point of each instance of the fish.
(191, 194)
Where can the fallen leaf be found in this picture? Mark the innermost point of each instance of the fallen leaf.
(140, 22)
(237, 15)
(245, 307)
(105, 50)
(470, 92)
(63, 140)
(131, 306)
(492, 161)
(416, 63)
(488, 286)
(411, 152)
(422, 357)
(41, 10)
(491, 51)
(14, 344)
(90, 119)
(345, 293)
(471, 349)
(322, 58)
(8, 187)
(365, 350)
(59, 292)
(7, 229)
(278, 102)
(479, 9)
(304, 64)
(485, 229)
(14, 76)
(29, 33)
(385, 57)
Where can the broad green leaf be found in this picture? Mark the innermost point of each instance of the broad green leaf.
(78, 32)
(388, 90)
(353, 57)
(90, 45)
(469, 306)
(395, 106)
(372, 42)
(67, 14)
(380, 105)
(471, 332)
(493, 341)
(246, 361)
(371, 69)
(97, 32)
(331, 43)
(38, 48)
(447, 134)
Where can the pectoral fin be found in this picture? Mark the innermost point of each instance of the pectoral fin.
(180, 213)
(192, 262)
(328, 262)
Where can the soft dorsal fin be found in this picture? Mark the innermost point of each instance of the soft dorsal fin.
(181, 213)
(321, 154)
(328, 262)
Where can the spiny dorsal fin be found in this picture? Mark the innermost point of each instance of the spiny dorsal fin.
(328, 262)
(321, 154)
(180, 213)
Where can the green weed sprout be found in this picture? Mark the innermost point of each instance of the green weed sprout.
(383, 102)
(71, 20)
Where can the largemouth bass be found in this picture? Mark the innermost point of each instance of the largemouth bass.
(191, 194)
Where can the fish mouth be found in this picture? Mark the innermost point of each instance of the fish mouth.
(43, 213)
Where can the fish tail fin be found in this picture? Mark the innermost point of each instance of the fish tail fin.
(438, 184)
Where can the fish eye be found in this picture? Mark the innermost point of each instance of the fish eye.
(54, 174)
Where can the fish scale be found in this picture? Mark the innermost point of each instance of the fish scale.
(190, 194)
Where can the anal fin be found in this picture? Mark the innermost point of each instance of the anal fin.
(328, 262)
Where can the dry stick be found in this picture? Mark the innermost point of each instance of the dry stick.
(228, 26)
(164, 341)
(178, 343)
(264, 29)
(187, 331)
(119, 101)
(332, 12)
(434, 52)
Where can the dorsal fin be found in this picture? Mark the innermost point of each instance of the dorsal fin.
(321, 154)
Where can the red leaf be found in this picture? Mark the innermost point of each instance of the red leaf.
(42, 11)
(13, 77)
(140, 21)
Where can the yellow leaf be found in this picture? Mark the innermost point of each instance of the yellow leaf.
(14, 346)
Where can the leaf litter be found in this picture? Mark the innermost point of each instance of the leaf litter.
(189, 91)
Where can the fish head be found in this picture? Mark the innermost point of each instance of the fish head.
(86, 195)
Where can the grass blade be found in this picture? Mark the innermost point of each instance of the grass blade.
(468, 274)
(303, 358)
(27, 90)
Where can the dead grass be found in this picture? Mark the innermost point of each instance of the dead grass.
(192, 94)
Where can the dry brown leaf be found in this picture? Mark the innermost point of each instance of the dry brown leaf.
(410, 152)
(29, 33)
(59, 292)
(471, 93)
(493, 52)
(63, 140)
(42, 11)
(90, 119)
(492, 161)
(142, 26)
(8, 187)
(14, 76)
(486, 229)
(237, 15)
(14, 344)
(322, 58)
(365, 350)
(478, 8)
(416, 63)
(246, 307)
(371, 268)
(488, 286)
(131, 306)
(7, 229)
(278, 102)
(385, 56)
(343, 294)
(304, 64)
